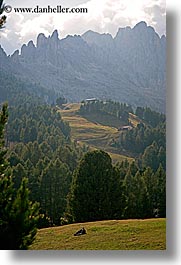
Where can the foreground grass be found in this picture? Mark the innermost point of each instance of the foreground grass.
(105, 235)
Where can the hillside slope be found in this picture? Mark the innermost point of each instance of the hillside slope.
(91, 133)
(147, 234)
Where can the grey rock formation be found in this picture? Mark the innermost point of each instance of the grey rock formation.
(129, 67)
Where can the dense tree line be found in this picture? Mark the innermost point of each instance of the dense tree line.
(60, 101)
(41, 149)
(102, 191)
(146, 141)
(119, 110)
(18, 215)
(151, 117)
(139, 188)
(29, 122)
(15, 90)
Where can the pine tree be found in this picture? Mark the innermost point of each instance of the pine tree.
(95, 189)
(18, 216)
(55, 183)
(140, 191)
(150, 156)
(150, 199)
(162, 157)
(18, 173)
(23, 219)
(161, 178)
(129, 196)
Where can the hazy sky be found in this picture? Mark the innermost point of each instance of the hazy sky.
(103, 16)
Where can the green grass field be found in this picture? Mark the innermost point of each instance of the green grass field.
(93, 133)
(147, 234)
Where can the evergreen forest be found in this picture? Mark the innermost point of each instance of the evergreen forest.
(45, 171)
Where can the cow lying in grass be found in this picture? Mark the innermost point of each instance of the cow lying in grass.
(80, 232)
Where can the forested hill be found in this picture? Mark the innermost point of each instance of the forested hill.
(14, 90)
(127, 68)
(63, 176)
(120, 130)
(39, 146)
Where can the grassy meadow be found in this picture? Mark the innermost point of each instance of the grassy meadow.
(149, 234)
(93, 131)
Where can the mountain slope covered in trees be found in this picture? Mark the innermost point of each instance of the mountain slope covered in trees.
(64, 123)
(41, 147)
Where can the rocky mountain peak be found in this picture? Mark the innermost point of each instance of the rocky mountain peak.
(2, 53)
(123, 33)
(92, 37)
(41, 40)
(15, 56)
(131, 65)
(140, 26)
(54, 35)
(31, 44)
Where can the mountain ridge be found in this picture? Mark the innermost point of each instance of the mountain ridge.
(129, 67)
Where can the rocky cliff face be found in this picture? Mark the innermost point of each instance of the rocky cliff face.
(128, 68)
